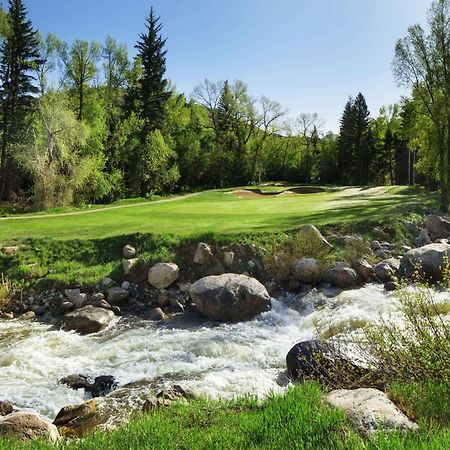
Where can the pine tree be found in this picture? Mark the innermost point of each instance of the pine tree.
(346, 143)
(363, 151)
(151, 89)
(19, 58)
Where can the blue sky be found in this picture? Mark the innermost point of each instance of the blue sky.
(309, 55)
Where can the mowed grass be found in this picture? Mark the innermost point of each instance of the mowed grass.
(221, 213)
(297, 420)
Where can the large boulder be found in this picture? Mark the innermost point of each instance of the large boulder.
(89, 319)
(324, 362)
(230, 297)
(307, 270)
(370, 410)
(314, 237)
(162, 275)
(342, 276)
(26, 426)
(428, 261)
(437, 226)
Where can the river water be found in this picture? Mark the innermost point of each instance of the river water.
(215, 360)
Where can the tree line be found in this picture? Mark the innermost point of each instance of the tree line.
(82, 122)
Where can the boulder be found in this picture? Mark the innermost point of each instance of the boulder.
(428, 260)
(375, 245)
(157, 315)
(342, 276)
(128, 252)
(107, 282)
(10, 250)
(6, 408)
(117, 295)
(101, 386)
(76, 297)
(89, 319)
(228, 259)
(314, 237)
(76, 381)
(363, 269)
(101, 304)
(383, 253)
(324, 362)
(437, 226)
(370, 410)
(166, 398)
(391, 286)
(28, 315)
(203, 254)
(162, 275)
(423, 238)
(230, 297)
(386, 270)
(411, 228)
(128, 265)
(26, 426)
(67, 307)
(307, 270)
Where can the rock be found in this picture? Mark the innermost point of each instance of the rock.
(307, 270)
(166, 398)
(423, 238)
(230, 297)
(314, 238)
(203, 254)
(129, 252)
(89, 319)
(6, 408)
(67, 307)
(7, 316)
(272, 287)
(428, 260)
(76, 382)
(76, 297)
(101, 304)
(98, 296)
(322, 361)
(383, 254)
(128, 265)
(184, 287)
(40, 310)
(370, 410)
(363, 269)
(228, 259)
(386, 270)
(102, 386)
(26, 426)
(176, 307)
(437, 226)
(117, 295)
(79, 420)
(28, 315)
(391, 286)
(411, 227)
(107, 282)
(345, 240)
(10, 250)
(157, 315)
(162, 275)
(342, 276)
(375, 245)
(126, 285)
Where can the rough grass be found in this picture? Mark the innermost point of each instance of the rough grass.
(297, 420)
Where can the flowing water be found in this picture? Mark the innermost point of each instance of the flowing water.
(215, 360)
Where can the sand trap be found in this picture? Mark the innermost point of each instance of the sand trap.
(258, 193)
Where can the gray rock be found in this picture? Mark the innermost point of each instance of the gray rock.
(128, 251)
(87, 320)
(386, 270)
(157, 315)
(428, 260)
(230, 297)
(383, 253)
(28, 315)
(342, 276)
(203, 254)
(126, 285)
(228, 259)
(101, 304)
(411, 228)
(76, 297)
(307, 270)
(363, 269)
(391, 286)
(162, 275)
(107, 282)
(27, 426)
(128, 265)
(438, 226)
(370, 410)
(375, 245)
(423, 238)
(117, 295)
(67, 307)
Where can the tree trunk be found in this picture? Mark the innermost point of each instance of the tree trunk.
(81, 103)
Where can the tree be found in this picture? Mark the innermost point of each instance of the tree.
(80, 64)
(48, 51)
(422, 62)
(19, 59)
(309, 128)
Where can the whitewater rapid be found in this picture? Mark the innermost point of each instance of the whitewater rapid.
(214, 360)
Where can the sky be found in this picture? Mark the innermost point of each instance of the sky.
(309, 55)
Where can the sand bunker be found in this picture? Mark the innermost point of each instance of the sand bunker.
(258, 193)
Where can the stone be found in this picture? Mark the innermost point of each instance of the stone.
(375, 245)
(342, 276)
(162, 275)
(6, 408)
(314, 237)
(129, 252)
(423, 238)
(76, 297)
(67, 307)
(98, 296)
(363, 269)
(40, 310)
(166, 398)
(103, 385)
(184, 287)
(307, 270)
(391, 286)
(117, 295)
(411, 228)
(76, 381)
(126, 285)
(101, 304)
(157, 315)
(228, 259)
(230, 297)
(88, 319)
(370, 410)
(324, 362)
(79, 420)
(10, 250)
(438, 227)
(383, 253)
(27, 426)
(176, 307)
(7, 316)
(428, 260)
(128, 265)
(107, 282)
(386, 270)
(28, 315)
(203, 254)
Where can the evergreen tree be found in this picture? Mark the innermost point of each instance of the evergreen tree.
(19, 58)
(363, 151)
(346, 143)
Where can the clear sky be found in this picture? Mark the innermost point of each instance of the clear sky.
(309, 55)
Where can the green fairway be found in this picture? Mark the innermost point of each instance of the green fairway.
(220, 212)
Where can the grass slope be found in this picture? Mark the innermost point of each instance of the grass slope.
(221, 213)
